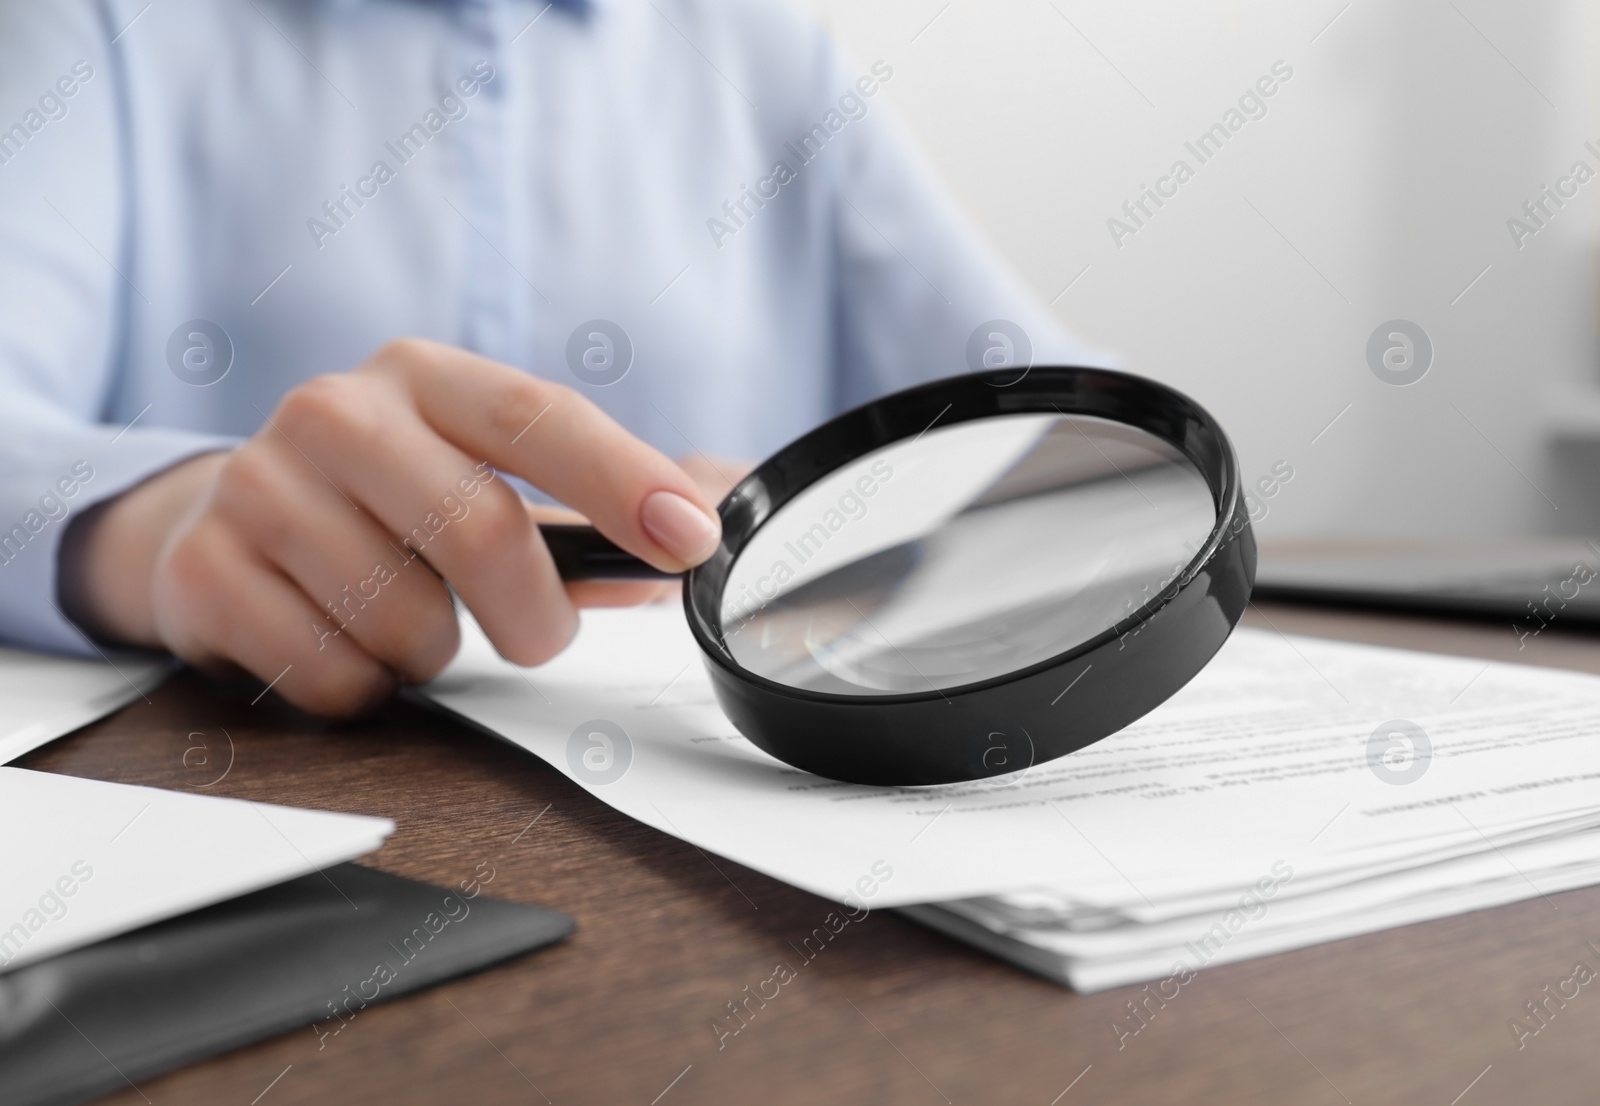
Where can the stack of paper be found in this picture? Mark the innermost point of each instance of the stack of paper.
(1091, 947)
(1500, 810)
(1296, 792)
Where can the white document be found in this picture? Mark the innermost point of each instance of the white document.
(86, 860)
(1263, 758)
(44, 697)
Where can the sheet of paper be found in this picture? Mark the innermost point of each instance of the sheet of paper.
(44, 697)
(84, 860)
(1266, 756)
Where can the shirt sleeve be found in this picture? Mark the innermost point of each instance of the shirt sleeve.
(915, 279)
(64, 239)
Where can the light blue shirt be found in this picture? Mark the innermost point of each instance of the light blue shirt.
(278, 187)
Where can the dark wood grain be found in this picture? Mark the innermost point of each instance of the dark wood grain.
(889, 1012)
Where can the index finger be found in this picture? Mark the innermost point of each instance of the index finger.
(563, 444)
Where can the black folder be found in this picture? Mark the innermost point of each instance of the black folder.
(310, 953)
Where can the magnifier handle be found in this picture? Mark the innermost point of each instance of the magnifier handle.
(583, 553)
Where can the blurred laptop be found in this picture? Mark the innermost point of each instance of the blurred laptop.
(1531, 581)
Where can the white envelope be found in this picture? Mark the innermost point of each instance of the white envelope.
(44, 697)
(87, 860)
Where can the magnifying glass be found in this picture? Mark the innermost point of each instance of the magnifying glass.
(967, 578)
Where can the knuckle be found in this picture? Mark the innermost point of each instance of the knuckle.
(324, 408)
(422, 642)
(247, 480)
(190, 591)
(398, 362)
(313, 400)
(189, 558)
(252, 500)
(524, 399)
(545, 624)
(499, 521)
(552, 634)
(404, 352)
(340, 689)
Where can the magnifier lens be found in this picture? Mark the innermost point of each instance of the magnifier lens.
(968, 553)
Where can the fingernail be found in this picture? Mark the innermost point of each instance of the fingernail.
(679, 527)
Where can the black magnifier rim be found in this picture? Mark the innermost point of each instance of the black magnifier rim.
(858, 745)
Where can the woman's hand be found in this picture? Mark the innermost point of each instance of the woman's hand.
(316, 554)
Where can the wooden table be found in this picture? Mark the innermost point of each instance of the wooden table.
(890, 1012)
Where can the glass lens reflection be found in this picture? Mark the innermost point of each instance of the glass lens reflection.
(969, 553)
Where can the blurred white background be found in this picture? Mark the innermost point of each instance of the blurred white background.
(1377, 186)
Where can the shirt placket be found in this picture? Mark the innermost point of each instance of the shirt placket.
(485, 214)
